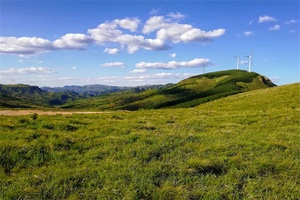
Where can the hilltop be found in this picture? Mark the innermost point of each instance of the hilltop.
(187, 93)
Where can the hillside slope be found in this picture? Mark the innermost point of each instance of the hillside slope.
(278, 98)
(187, 93)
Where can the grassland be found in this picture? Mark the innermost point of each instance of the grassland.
(245, 146)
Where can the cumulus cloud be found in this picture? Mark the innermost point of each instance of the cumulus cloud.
(248, 33)
(111, 50)
(266, 18)
(119, 31)
(72, 41)
(138, 71)
(105, 32)
(154, 23)
(292, 21)
(24, 45)
(128, 23)
(197, 62)
(172, 55)
(33, 45)
(177, 16)
(113, 64)
(27, 70)
(170, 30)
(154, 11)
(275, 28)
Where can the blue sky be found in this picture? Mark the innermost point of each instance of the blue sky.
(131, 43)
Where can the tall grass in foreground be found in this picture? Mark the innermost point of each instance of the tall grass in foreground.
(202, 153)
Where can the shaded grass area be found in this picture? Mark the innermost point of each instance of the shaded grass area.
(209, 152)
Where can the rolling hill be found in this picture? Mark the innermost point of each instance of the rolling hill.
(187, 93)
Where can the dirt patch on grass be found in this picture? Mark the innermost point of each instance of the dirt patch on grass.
(42, 112)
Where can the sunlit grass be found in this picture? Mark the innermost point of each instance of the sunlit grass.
(221, 150)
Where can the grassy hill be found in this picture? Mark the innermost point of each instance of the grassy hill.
(187, 93)
(244, 146)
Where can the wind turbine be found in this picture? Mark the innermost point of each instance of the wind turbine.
(237, 61)
(203, 68)
(250, 61)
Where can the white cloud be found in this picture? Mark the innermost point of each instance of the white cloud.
(154, 23)
(128, 23)
(197, 62)
(266, 18)
(113, 64)
(27, 70)
(135, 42)
(154, 11)
(201, 36)
(173, 55)
(72, 41)
(24, 45)
(167, 28)
(292, 21)
(177, 16)
(292, 31)
(248, 33)
(138, 71)
(111, 50)
(74, 68)
(251, 22)
(105, 32)
(159, 76)
(275, 28)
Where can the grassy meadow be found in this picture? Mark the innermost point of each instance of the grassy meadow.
(245, 146)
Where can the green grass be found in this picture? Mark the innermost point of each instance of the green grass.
(245, 146)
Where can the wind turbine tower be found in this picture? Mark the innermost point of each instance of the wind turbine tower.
(237, 61)
(249, 62)
(203, 68)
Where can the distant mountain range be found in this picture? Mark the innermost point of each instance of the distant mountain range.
(27, 96)
(87, 90)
